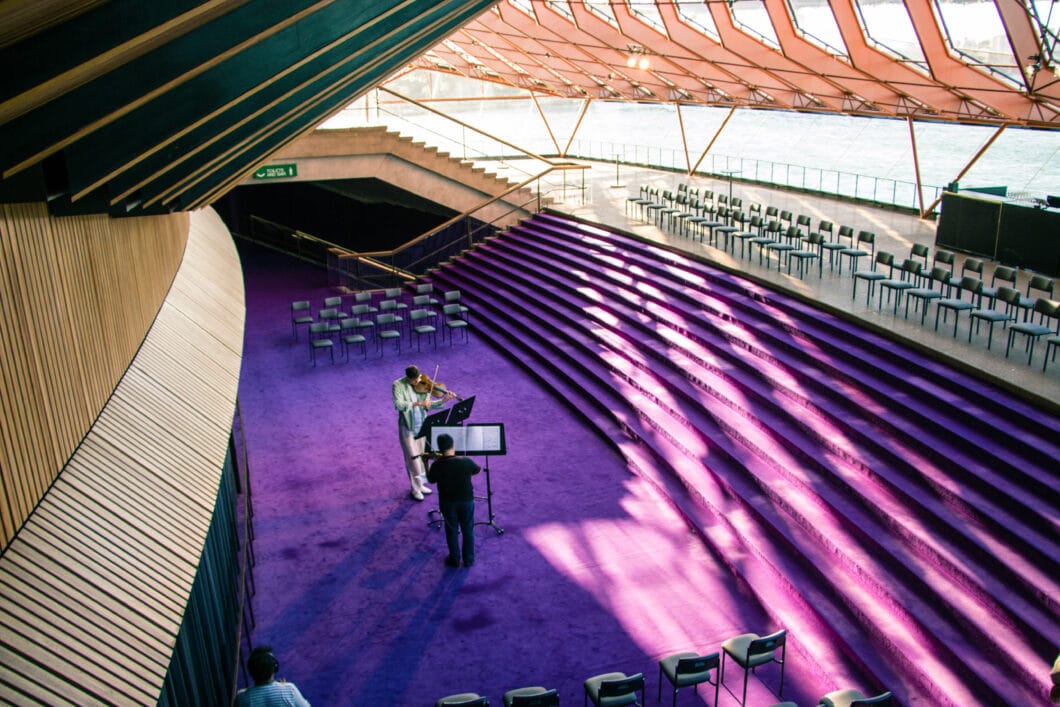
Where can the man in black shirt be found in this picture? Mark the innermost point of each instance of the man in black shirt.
(456, 500)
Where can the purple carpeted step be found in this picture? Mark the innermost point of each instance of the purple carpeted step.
(1004, 467)
(731, 430)
(907, 650)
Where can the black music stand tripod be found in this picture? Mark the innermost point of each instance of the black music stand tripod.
(476, 439)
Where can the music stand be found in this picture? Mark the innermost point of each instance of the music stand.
(475, 439)
(461, 411)
(433, 420)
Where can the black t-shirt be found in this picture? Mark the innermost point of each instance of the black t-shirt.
(453, 476)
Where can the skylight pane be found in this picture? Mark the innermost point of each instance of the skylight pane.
(976, 32)
(603, 9)
(562, 8)
(696, 14)
(646, 12)
(887, 24)
(751, 16)
(815, 20)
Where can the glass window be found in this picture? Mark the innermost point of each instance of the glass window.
(976, 33)
(815, 21)
(696, 14)
(646, 12)
(562, 8)
(751, 16)
(887, 25)
(603, 9)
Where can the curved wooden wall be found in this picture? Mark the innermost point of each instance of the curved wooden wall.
(77, 296)
(95, 587)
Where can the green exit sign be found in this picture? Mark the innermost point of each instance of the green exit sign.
(276, 171)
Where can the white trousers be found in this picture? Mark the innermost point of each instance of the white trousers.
(412, 448)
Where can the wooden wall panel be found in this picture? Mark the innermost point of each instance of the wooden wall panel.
(96, 584)
(77, 296)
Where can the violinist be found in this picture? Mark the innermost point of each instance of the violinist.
(413, 395)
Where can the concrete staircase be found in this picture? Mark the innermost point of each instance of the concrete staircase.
(375, 152)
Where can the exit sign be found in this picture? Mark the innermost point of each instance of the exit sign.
(276, 171)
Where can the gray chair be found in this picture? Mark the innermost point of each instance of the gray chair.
(689, 669)
(866, 239)
(421, 323)
(348, 337)
(392, 294)
(809, 253)
(754, 230)
(854, 698)
(454, 297)
(364, 299)
(362, 314)
(331, 318)
(873, 275)
(300, 314)
(1011, 299)
(957, 304)
(829, 245)
(319, 339)
(1037, 286)
(463, 699)
(388, 328)
(750, 651)
(919, 251)
(426, 289)
(614, 689)
(535, 696)
(908, 277)
(336, 304)
(925, 295)
(1005, 275)
(1046, 310)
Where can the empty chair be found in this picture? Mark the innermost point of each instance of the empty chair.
(455, 320)
(873, 275)
(865, 239)
(300, 314)
(330, 317)
(753, 230)
(1046, 310)
(424, 302)
(785, 217)
(828, 244)
(349, 336)
(957, 304)
(421, 323)
(1051, 345)
(426, 289)
(750, 651)
(908, 275)
(769, 236)
(925, 295)
(689, 669)
(362, 314)
(640, 201)
(1011, 299)
(919, 251)
(736, 203)
(1003, 274)
(336, 304)
(736, 221)
(388, 328)
(853, 698)
(809, 253)
(454, 297)
(535, 696)
(1037, 286)
(772, 213)
(970, 266)
(614, 689)
(464, 699)
(364, 299)
(802, 221)
(320, 338)
(392, 294)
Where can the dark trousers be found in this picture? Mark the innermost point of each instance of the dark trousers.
(459, 519)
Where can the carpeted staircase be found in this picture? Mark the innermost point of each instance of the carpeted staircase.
(894, 515)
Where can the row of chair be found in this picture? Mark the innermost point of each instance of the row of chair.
(687, 669)
(1027, 315)
(387, 322)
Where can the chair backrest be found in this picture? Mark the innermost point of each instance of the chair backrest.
(388, 305)
(707, 194)
(333, 301)
(884, 258)
(548, 698)
(738, 216)
(866, 237)
(884, 698)
(476, 701)
(452, 309)
(754, 208)
(940, 273)
(388, 319)
(1008, 295)
(682, 187)
(452, 295)
(972, 265)
(846, 232)
(793, 232)
(971, 284)
(625, 686)
(1003, 273)
(945, 257)
(913, 267)
(420, 300)
(803, 220)
(771, 211)
(722, 199)
(1044, 307)
(330, 313)
(418, 314)
(1040, 283)
(825, 227)
(755, 222)
(349, 323)
(359, 309)
(362, 297)
(815, 239)
(767, 644)
(736, 202)
(425, 289)
(392, 292)
(919, 250)
(698, 664)
(300, 306)
(318, 328)
(785, 216)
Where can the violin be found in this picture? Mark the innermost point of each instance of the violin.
(423, 384)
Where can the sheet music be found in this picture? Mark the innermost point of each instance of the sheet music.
(484, 438)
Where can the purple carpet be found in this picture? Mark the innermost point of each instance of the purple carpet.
(690, 457)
